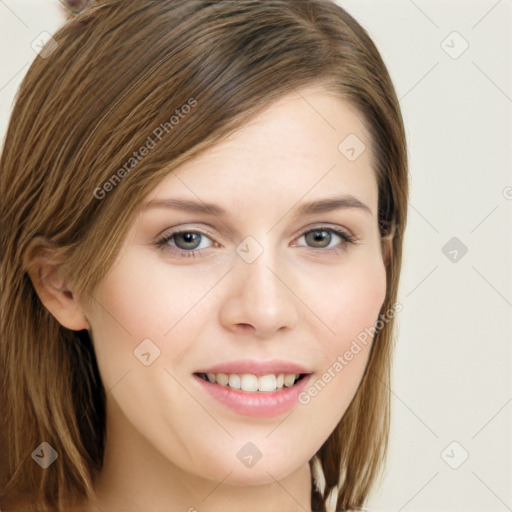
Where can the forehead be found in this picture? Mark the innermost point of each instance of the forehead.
(309, 142)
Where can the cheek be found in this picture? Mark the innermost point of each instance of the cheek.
(350, 300)
(128, 309)
(350, 307)
(147, 301)
(360, 300)
(137, 301)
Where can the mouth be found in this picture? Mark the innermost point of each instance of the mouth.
(252, 383)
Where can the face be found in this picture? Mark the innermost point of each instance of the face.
(255, 265)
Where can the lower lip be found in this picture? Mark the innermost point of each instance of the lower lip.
(260, 404)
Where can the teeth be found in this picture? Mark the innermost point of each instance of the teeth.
(289, 380)
(249, 382)
(252, 383)
(234, 381)
(267, 383)
(222, 379)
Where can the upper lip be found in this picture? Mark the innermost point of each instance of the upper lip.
(256, 367)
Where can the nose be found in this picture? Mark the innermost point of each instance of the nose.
(258, 299)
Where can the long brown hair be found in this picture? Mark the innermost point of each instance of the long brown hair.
(117, 72)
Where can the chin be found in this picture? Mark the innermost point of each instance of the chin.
(245, 477)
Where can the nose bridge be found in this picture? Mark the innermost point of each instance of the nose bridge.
(257, 297)
(254, 261)
(258, 277)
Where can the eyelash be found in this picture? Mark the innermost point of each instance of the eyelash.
(162, 242)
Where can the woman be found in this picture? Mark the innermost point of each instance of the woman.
(204, 206)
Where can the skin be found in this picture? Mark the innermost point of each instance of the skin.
(169, 444)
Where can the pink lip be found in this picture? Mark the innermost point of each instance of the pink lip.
(257, 368)
(259, 404)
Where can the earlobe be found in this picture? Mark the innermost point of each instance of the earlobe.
(56, 294)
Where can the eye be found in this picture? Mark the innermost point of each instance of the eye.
(192, 243)
(326, 238)
(185, 243)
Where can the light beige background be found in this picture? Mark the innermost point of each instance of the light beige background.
(452, 390)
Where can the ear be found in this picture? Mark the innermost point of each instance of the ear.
(56, 293)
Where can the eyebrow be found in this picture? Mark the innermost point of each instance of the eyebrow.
(309, 208)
